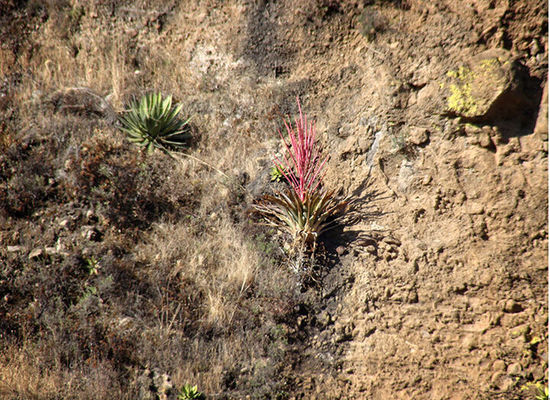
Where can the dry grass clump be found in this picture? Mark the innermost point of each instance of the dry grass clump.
(214, 255)
(23, 376)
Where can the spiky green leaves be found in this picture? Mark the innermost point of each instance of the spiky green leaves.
(276, 174)
(154, 123)
(304, 219)
(189, 392)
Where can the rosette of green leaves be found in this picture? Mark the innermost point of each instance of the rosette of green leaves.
(189, 392)
(154, 123)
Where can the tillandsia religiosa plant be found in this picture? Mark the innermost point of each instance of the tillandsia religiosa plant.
(154, 123)
(306, 209)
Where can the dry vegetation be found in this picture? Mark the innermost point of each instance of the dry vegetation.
(142, 261)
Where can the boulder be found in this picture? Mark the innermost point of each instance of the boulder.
(487, 87)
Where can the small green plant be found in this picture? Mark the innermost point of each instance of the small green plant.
(304, 219)
(276, 174)
(153, 123)
(188, 392)
(92, 266)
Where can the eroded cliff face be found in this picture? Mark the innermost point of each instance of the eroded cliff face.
(434, 115)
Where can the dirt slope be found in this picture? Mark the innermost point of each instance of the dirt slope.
(437, 287)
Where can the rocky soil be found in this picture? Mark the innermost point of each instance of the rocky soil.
(435, 118)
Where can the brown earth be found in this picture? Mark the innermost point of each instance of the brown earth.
(435, 288)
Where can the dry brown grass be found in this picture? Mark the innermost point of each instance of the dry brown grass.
(24, 374)
(218, 259)
(184, 283)
(21, 375)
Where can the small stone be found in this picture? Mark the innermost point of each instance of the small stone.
(370, 249)
(35, 253)
(418, 136)
(325, 319)
(412, 297)
(499, 365)
(520, 331)
(340, 250)
(50, 251)
(495, 319)
(470, 342)
(63, 223)
(90, 232)
(90, 214)
(132, 33)
(485, 140)
(496, 378)
(474, 208)
(539, 372)
(14, 249)
(512, 307)
(502, 381)
(391, 240)
(514, 369)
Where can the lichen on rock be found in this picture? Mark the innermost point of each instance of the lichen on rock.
(487, 85)
(461, 100)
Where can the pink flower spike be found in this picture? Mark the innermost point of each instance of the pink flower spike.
(302, 167)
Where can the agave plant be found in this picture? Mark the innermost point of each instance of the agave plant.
(153, 123)
(306, 209)
(189, 392)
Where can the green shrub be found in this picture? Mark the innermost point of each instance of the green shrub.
(304, 219)
(153, 123)
(189, 392)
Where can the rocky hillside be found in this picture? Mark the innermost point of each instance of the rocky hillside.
(125, 274)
